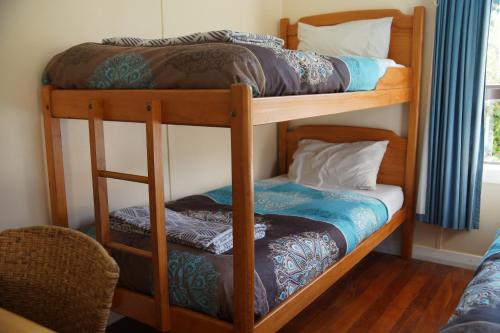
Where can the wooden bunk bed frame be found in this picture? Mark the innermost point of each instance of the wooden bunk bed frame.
(235, 108)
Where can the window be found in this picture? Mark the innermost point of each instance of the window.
(492, 95)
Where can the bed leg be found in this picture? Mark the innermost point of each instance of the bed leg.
(157, 211)
(55, 166)
(243, 218)
(407, 240)
(282, 147)
(413, 125)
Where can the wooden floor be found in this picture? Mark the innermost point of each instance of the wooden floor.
(384, 293)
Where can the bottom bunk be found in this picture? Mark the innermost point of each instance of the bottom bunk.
(303, 235)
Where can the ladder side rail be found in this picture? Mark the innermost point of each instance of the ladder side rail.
(98, 162)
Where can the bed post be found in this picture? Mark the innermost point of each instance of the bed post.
(413, 123)
(282, 150)
(157, 214)
(283, 126)
(243, 218)
(284, 23)
(55, 166)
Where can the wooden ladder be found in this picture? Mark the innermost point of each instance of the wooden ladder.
(155, 182)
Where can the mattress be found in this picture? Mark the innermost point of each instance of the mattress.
(270, 71)
(392, 196)
(308, 230)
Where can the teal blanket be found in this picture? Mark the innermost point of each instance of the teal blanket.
(357, 216)
(365, 72)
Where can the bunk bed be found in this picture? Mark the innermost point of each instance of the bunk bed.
(238, 110)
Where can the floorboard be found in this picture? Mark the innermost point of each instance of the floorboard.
(383, 293)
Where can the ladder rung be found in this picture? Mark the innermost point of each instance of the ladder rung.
(129, 249)
(123, 176)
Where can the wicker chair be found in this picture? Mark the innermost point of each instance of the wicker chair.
(57, 277)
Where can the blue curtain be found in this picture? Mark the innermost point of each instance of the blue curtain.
(455, 137)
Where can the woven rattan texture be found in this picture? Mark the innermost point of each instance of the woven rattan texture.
(57, 277)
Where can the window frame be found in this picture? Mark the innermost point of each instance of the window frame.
(492, 92)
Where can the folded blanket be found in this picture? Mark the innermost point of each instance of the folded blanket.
(212, 233)
(219, 36)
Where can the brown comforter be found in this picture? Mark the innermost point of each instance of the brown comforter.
(270, 71)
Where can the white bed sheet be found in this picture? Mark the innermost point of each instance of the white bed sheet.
(391, 196)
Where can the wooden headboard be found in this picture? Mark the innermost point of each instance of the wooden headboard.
(400, 49)
(392, 169)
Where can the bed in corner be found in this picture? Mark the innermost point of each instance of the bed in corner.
(300, 231)
(249, 86)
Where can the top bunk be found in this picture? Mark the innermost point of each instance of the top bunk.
(215, 107)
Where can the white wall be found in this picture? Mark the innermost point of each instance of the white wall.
(31, 32)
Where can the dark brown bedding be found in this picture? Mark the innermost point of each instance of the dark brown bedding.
(270, 71)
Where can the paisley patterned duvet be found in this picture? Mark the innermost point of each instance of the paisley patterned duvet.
(308, 230)
(270, 71)
(479, 307)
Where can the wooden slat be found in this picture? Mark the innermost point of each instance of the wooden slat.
(207, 107)
(142, 308)
(413, 125)
(243, 218)
(305, 296)
(284, 23)
(278, 109)
(157, 213)
(134, 305)
(55, 164)
(98, 162)
(128, 249)
(400, 21)
(282, 147)
(123, 176)
(211, 107)
(184, 320)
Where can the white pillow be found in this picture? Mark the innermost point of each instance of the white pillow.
(329, 165)
(366, 38)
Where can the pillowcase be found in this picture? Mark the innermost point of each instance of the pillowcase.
(329, 165)
(366, 38)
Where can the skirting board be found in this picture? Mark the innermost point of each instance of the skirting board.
(440, 256)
